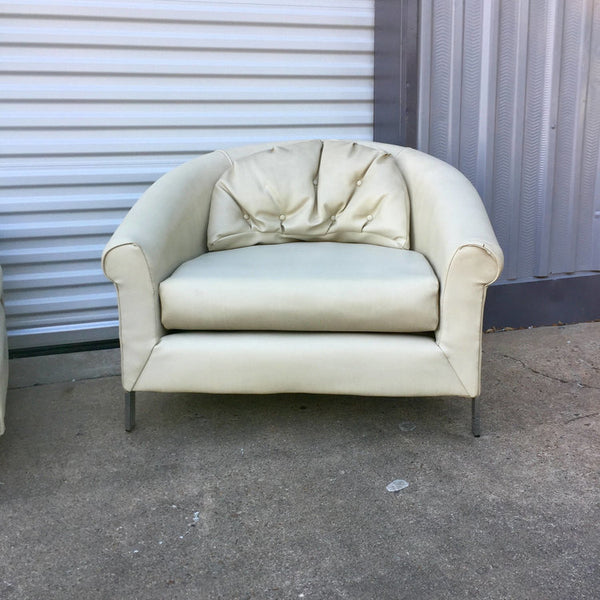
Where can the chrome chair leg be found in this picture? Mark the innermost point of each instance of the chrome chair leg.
(129, 411)
(475, 417)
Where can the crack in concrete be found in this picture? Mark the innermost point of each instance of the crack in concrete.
(40, 383)
(559, 379)
(582, 417)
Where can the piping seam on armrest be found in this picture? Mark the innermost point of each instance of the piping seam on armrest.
(152, 282)
(226, 155)
(481, 246)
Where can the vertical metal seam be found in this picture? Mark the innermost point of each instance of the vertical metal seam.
(518, 138)
(410, 70)
(487, 101)
(424, 97)
(545, 200)
(454, 95)
(533, 139)
(585, 53)
(590, 129)
(567, 188)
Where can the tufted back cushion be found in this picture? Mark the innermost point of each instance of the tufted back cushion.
(333, 191)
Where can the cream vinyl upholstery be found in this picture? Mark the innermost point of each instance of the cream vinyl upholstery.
(185, 328)
(3, 358)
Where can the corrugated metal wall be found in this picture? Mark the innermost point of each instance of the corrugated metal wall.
(510, 94)
(99, 98)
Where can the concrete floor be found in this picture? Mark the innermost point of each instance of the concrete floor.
(285, 496)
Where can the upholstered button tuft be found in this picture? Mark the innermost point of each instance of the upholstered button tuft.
(247, 217)
(315, 182)
(282, 217)
(359, 182)
(333, 218)
(369, 217)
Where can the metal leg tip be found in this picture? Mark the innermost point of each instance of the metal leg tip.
(129, 411)
(475, 418)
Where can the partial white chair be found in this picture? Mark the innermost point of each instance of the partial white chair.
(327, 267)
(3, 358)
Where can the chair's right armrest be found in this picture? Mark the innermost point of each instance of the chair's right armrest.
(165, 227)
(450, 226)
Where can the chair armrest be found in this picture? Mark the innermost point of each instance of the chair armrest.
(165, 227)
(450, 226)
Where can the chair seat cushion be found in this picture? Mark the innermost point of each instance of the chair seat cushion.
(303, 286)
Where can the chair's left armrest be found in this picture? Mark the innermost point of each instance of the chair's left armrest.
(166, 227)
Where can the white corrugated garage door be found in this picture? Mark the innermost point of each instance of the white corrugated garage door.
(99, 98)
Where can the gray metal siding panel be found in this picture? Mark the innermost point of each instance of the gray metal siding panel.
(569, 144)
(588, 247)
(395, 88)
(526, 127)
(100, 98)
